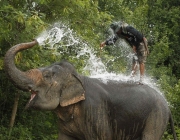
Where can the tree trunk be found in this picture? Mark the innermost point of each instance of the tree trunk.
(14, 110)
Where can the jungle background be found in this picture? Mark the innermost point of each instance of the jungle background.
(23, 20)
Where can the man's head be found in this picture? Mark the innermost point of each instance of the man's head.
(116, 26)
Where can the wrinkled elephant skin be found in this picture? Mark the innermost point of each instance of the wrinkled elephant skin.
(89, 109)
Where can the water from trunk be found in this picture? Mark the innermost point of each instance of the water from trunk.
(60, 36)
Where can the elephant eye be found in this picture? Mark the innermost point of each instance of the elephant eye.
(53, 73)
(46, 75)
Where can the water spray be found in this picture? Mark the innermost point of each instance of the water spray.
(60, 36)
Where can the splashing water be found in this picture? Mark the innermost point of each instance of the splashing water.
(94, 64)
(61, 36)
(57, 37)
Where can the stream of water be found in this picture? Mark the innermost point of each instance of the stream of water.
(61, 36)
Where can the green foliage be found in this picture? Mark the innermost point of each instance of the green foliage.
(20, 132)
(25, 20)
(30, 130)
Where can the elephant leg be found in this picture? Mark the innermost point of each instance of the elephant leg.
(98, 126)
(101, 130)
(62, 136)
(155, 125)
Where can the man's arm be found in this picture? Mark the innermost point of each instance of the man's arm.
(109, 41)
(146, 45)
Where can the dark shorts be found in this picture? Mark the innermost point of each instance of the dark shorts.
(141, 53)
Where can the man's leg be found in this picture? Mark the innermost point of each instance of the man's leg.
(142, 55)
(142, 69)
(134, 69)
(134, 65)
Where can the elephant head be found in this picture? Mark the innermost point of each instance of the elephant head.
(57, 84)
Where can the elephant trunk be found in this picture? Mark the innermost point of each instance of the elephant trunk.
(19, 78)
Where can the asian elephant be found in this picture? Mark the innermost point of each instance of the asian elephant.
(88, 108)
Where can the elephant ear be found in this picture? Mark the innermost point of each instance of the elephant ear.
(72, 91)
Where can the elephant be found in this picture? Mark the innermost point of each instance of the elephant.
(89, 108)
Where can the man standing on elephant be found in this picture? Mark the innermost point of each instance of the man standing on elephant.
(135, 39)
